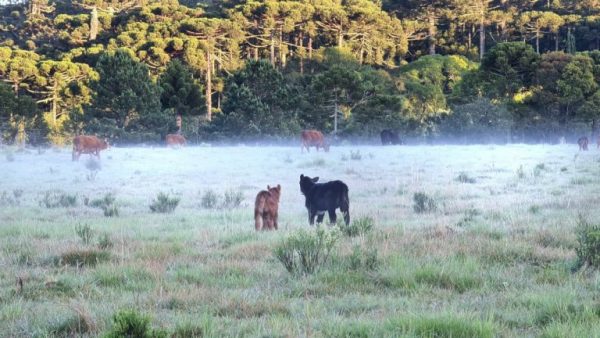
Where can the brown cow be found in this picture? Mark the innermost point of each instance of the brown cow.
(266, 208)
(313, 138)
(84, 144)
(583, 143)
(175, 140)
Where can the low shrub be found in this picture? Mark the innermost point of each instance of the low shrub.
(55, 199)
(129, 323)
(465, 178)
(588, 244)
(357, 227)
(423, 203)
(164, 203)
(107, 204)
(305, 251)
(84, 232)
(210, 199)
(232, 198)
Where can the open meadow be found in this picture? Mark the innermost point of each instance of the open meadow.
(457, 241)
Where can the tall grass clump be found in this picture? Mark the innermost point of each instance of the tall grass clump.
(357, 227)
(355, 155)
(164, 203)
(305, 251)
(55, 199)
(441, 326)
(129, 323)
(423, 203)
(82, 258)
(210, 199)
(463, 177)
(85, 233)
(107, 204)
(588, 244)
(232, 198)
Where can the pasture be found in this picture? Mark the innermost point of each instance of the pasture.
(492, 252)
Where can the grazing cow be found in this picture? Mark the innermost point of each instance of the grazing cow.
(313, 138)
(84, 144)
(321, 197)
(583, 143)
(390, 137)
(266, 208)
(175, 140)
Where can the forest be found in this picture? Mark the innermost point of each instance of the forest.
(465, 71)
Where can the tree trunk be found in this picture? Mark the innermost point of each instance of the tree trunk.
(537, 42)
(310, 47)
(272, 49)
(208, 92)
(556, 41)
(282, 54)
(54, 103)
(481, 38)
(94, 24)
(256, 53)
(340, 38)
(594, 130)
(431, 30)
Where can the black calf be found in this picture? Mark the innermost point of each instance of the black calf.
(389, 136)
(321, 197)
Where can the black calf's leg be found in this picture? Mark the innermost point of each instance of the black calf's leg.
(311, 217)
(332, 216)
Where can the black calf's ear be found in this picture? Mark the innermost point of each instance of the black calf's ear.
(301, 176)
(315, 179)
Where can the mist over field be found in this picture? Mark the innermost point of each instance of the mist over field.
(495, 255)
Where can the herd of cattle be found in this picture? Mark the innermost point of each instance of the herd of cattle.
(319, 197)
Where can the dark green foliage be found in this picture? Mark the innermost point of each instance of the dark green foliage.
(423, 203)
(126, 106)
(588, 244)
(510, 66)
(129, 323)
(179, 91)
(258, 102)
(306, 251)
(164, 203)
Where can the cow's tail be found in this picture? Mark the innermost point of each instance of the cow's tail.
(259, 207)
(345, 204)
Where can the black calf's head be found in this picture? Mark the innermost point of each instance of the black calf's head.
(306, 183)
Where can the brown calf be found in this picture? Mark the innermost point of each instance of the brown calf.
(266, 208)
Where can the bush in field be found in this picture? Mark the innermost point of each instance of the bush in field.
(55, 199)
(588, 240)
(164, 204)
(355, 155)
(107, 204)
(423, 203)
(305, 251)
(232, 198)
(465, 178)
(358, 227)
(129, 323)
(7, 200)
(363, 259)
(84, 232)
(210, 199)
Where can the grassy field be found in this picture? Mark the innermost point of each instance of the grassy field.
(492, 253)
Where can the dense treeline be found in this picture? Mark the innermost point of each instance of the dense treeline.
(506, 70)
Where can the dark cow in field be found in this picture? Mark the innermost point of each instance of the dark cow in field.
(321, 197)
(583, 143)
(84, 144)
(390, 137)
(313, 138)
(266, 208)
(174, 140)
